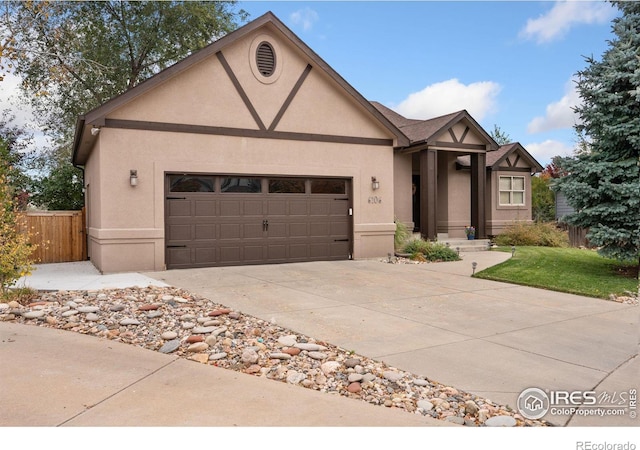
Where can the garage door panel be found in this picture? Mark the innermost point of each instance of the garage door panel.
(179, 256)
(205, 255)
(229, 208)
(230, 254)
(277, 252)
(229, 231)
(252, 231)
(276, 208)
(205, 232)
(337, 249)
(205, 208)
(180, 232)
(252, 208)
(318, 250)
(277, 230)
(299, 251)
(319, 229)
(253, 253)
(298, 229)
(339, 208)
(298, 207)
(179, 208)
(319, 208)
(339, 229)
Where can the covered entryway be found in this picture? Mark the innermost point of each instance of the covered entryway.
(224, 220)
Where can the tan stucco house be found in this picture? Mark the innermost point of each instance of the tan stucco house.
(253, 150)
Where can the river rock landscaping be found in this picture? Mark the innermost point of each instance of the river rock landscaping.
(177, 322)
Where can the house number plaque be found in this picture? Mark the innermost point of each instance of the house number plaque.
(375, 200)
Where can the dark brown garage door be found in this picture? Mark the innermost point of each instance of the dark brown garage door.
(214, 220)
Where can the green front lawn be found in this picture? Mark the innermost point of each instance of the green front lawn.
(571, 270)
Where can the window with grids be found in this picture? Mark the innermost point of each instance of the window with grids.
(511, 191)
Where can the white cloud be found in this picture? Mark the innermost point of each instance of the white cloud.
(22, 113)
(544, 151)
(563, 16)
(479, 99)
(10, 99)
(558, 114)
(305, 17)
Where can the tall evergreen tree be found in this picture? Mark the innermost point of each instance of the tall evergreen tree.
(603, 180)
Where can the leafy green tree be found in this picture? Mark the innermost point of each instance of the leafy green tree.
(60, 190)
(501, 137)
(603, 179)
(543, 199)
(15, 160)
(15, 250)
(72, 56)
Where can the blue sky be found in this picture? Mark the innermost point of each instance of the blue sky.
(509, 63)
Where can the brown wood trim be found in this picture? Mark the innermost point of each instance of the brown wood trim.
(464, 134)
(461, 146)
(453, 135)
(508, 161)
(241, 92)
(243, 132)
(511, 169)
(290, 97)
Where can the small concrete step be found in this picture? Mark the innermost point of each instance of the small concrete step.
(467, 245)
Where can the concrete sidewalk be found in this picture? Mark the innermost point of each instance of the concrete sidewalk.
(81, 276)
(53, 378)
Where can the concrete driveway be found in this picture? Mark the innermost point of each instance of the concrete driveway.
(488, 338)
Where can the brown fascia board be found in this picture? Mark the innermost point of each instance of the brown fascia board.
(104, 109)
(77, 138)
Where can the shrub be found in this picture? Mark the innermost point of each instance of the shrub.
(15, 250)
(422, 250)
(402, 233)
(533, 234)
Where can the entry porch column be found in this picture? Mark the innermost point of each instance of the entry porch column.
(428, 193)
(478, 193)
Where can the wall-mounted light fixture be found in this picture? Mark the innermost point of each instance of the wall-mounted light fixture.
(375, 184)
(133, 177)
(95, 130)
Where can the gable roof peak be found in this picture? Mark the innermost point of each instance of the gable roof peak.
(422, 131)
(83, 141)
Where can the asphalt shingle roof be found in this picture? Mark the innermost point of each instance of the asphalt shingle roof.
(416, 130)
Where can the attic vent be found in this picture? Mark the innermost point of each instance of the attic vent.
(266, 59)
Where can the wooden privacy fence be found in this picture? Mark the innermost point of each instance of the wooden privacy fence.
(59, 235)
(578, 236)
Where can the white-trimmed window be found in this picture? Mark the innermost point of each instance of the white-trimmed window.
(511, 191)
